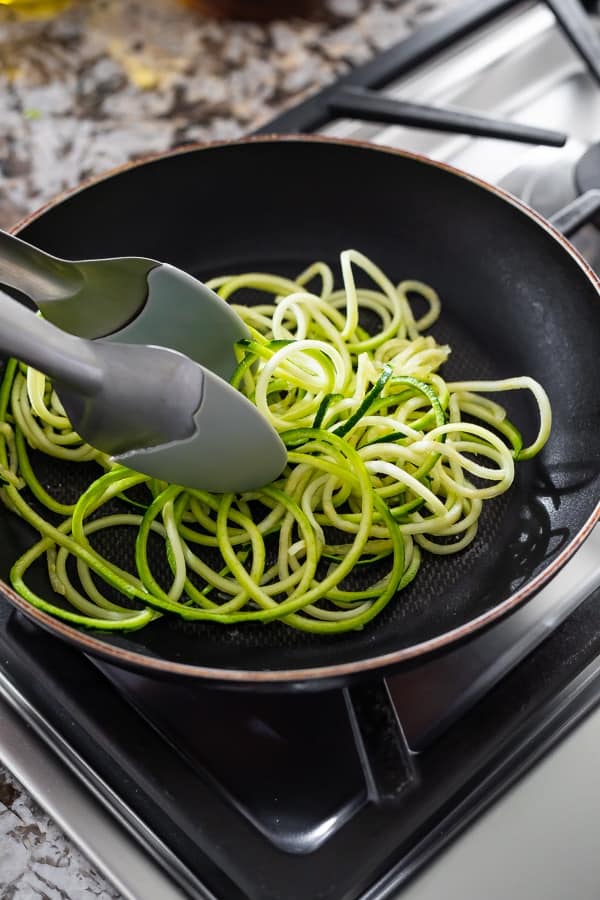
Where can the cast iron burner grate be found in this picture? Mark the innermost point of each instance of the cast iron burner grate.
(359, 95)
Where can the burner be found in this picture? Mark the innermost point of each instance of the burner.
(587, 170)
(546, 187)
(587, 176)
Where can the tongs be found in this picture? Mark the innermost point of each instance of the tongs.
(152, 409)
(129, 299)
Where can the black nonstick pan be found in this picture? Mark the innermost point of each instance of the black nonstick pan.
(517, 299)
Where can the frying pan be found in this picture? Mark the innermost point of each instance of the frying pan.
(516, 299)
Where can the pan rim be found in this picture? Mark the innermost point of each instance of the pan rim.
(88, 642)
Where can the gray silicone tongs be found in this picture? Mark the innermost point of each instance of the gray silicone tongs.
(152, 409)
(129, 299)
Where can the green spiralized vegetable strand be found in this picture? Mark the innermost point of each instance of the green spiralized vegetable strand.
(130, 619)
(357, 621)
(201, 596)
(274, 284)
(366, 404)
(243, 371)
(10, 466)
(515, 384)
(327, 319)
(103, 523)
(347, 259)
(320, 270)
(160, 598)
(285, 608)
(502, 425)
(36, 390)
(99, 492)
(386, 460)
(34, 485)
(36, 435)
(324, 405)
(10, 370)
(80, 548)
(351, 597)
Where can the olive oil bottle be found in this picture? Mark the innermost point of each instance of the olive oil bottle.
(35, 8)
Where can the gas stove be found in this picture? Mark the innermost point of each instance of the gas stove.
(177, 791)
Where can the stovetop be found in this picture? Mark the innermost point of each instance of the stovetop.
(269, 796)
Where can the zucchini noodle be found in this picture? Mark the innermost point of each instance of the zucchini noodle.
(386, 460)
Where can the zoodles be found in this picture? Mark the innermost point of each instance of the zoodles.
(386, 460)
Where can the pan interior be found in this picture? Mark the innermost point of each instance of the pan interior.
(487, 268)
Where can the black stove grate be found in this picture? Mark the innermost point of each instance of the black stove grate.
(357, 94)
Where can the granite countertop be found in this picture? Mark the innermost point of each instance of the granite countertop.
(106, 81)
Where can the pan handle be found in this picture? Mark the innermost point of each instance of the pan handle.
(576, 214)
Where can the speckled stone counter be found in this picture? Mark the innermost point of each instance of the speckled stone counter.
(36, 859)
(106, 81)
(109, 81)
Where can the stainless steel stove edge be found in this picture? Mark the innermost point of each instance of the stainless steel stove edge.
(108, 832)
